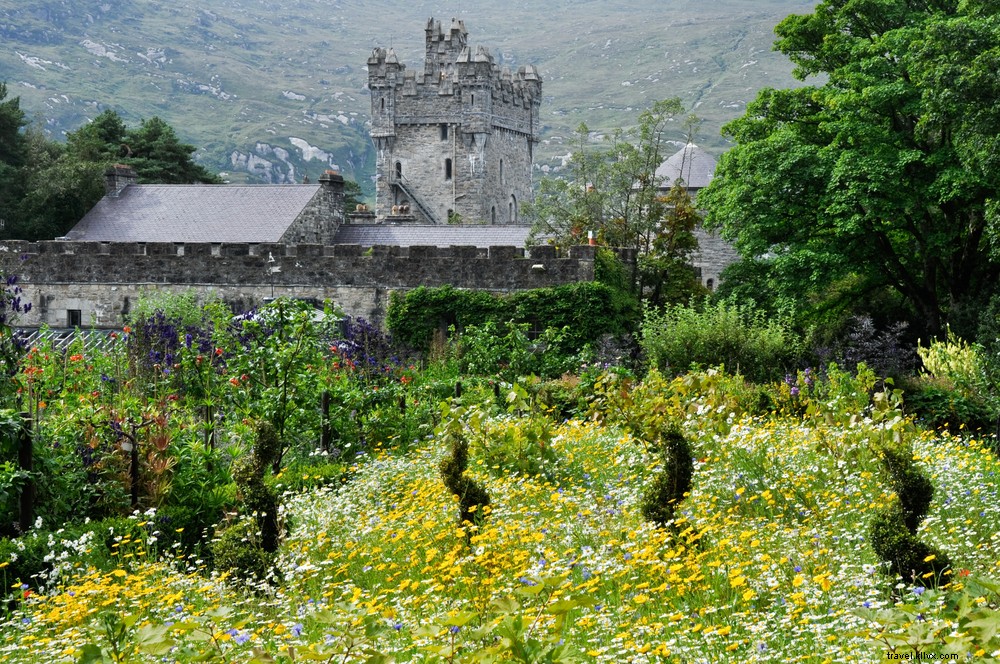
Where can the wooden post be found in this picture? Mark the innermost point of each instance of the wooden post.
(133, 472)
(458, 389)
(25, 462)
(324, 436)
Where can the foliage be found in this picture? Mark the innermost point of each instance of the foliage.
(721, 334)
(246, 549)
(616, 194)
(584, 311)
(673, 483)
(473, 501)
(885, 351)
(519, 444)
(956, 389)
(879, 178)
(960, 620)
(893, 529)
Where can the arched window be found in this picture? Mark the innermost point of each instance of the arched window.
(513, 209)
(493, 215)
(399, 170)
(710, 284)
(447, 169)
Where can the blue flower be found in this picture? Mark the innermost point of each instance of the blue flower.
(297, 629)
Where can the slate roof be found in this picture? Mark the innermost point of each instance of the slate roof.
(194, 213)
(692, 164)
(408, 235)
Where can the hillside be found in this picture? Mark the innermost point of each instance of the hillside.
(274, 91)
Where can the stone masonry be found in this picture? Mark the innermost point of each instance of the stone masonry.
(454, 141)
(94, 284)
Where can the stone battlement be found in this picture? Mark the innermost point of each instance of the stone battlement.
(95, 283)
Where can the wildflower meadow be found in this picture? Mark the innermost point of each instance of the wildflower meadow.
(148, 448)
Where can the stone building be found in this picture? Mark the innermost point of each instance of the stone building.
(454, 140)
(694, 168)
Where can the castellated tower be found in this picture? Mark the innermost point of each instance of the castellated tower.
(455, 140)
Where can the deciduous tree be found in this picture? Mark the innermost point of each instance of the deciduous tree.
(615, 193)
(881, 176)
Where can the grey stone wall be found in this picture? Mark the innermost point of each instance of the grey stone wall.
(103, 280)
(318, 222)
(713, 255)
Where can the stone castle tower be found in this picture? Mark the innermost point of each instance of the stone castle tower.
(454, 141)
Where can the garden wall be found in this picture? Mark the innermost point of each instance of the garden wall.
(94, 284)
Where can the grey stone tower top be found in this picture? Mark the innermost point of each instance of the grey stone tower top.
(455, 139)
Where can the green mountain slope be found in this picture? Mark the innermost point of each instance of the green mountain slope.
(273, 91)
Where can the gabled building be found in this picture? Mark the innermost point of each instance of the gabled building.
(212, 213)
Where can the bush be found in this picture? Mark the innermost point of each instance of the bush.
(682, 337)
(893, 530)
(247, 548)
(673, 483)
(472, 497)
(585, 310)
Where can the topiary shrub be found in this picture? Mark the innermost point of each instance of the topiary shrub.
(673, 482)
(247, 548)
(906, 555)
(893, 530)
(472, 497)
(913, 489)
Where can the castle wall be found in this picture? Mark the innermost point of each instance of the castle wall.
(102, 281)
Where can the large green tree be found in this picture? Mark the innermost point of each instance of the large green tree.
(12, 122)
(883, 175)
(614, 192)
(56, 184)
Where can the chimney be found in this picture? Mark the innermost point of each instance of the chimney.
(117, 178)
(331, 185)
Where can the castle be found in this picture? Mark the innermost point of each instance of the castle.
(455, 141)
(455, 144)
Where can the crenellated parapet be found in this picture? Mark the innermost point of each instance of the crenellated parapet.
(100, 281)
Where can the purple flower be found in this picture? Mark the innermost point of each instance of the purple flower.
(297, 629)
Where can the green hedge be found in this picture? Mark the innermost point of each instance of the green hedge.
(588, 309)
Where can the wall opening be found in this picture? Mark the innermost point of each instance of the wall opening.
(74, 318)
(399, 170)
(447, 169)
(383, 103)
(513, 209)
(444, 132)
(501, 171)
(710, 284)
(493, 215)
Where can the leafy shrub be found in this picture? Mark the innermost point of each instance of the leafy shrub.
(886, 352)
(743, 340)
(521, 443)
(955, 390)
(893, 530)
(247, 548)
(472, 497)
(673, 482)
